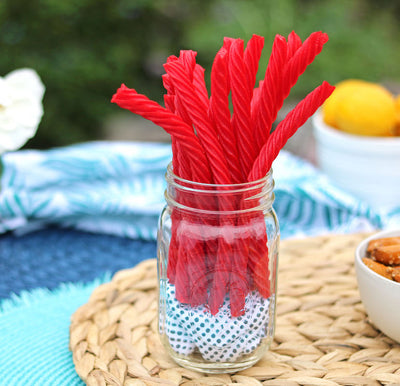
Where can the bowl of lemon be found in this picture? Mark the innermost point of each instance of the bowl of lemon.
(357, 135)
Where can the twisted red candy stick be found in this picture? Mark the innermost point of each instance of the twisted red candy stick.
(220, 113)
(186, 243)
(255, 102)
(261, 268)
(167, 85)
(169, 102)
(172, 58)
(181, 110)
(183, 169)
(195, 73)
(198, 114)
(182, 82)
(287, 127)
(254, 239)
(294, 43)
(252, 55)
(265, 110)
(200, 84)
(182, 279)
(227, 43)
(300, 60)
(221, 270)
(169, 98)
(241, 100)
(238, 296)
(190, 280)
(188, 59)
(173, 104)
(172, 124)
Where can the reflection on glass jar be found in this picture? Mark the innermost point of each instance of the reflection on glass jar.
(217, 262)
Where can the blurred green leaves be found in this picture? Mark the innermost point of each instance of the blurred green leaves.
(84, 49)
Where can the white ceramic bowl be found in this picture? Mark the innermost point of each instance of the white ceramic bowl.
(367, 167)
(380, 296)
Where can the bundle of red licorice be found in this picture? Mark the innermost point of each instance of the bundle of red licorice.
(212, 145)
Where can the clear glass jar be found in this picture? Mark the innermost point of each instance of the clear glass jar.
(217, 264)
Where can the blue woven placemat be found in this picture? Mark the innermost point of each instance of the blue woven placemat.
(48, 257)
(34, 336)
(45, 276)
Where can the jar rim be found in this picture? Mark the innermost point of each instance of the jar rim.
(172, 179)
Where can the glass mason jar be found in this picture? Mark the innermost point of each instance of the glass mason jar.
(217, 265)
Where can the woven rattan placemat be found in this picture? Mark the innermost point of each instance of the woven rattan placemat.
(323, 336)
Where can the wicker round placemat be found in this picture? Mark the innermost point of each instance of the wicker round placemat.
(323, 336)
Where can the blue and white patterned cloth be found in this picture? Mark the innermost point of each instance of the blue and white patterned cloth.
(118, 188)
(104, 187)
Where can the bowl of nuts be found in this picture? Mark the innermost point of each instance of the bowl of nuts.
(377, 263)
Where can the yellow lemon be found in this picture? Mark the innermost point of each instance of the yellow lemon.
(329, 107)
(367, 109)
(397, 106)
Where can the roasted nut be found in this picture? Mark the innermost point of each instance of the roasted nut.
(396, 274)
(379, 268)
(374, 244)
(388, 254)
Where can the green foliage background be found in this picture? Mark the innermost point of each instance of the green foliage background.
(84, 49)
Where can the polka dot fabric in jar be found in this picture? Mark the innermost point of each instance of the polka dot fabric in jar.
(220, 337)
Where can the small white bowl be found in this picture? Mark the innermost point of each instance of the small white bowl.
(367, 167)
(380, 296)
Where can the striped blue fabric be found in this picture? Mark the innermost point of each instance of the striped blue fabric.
(114, 188)
(117, 188)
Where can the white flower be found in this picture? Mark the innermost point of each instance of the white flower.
(21, 94)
